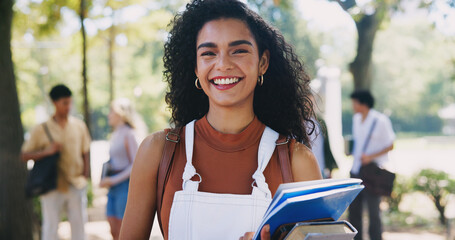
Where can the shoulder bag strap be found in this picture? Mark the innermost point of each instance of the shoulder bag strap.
(48, 133)
(283, 157)
(367, 141)
(172, 138)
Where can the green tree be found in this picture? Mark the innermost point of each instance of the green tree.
(283, 15)
(416, 79)
(47, 16)
(15, 210)
(437, 185)
(368, 19)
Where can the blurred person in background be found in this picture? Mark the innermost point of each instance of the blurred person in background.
(320, 144)
(123, 148)
(72, 139)
(373, 140)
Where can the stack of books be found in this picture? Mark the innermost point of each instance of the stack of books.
(310, 210)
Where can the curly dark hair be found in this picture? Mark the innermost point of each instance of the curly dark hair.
(282, 102)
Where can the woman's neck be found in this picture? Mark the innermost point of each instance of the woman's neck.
(230, 120)
(118, 125)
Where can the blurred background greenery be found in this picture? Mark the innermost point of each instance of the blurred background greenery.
(413, 60)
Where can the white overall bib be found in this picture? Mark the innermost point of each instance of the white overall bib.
(203, 215)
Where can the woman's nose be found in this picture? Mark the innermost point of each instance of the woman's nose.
(224, 63)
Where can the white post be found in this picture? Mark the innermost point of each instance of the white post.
(330, 93)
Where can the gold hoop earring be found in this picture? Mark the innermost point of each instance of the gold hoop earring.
(195, 83)
(261, 80)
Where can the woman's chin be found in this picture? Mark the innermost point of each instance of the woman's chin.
(229, 102)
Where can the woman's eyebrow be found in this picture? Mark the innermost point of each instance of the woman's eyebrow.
(207, 44)
(240, 42)
(231, 44)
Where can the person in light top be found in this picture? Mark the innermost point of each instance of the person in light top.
(373, 140)
(123, 149)
(234, 86)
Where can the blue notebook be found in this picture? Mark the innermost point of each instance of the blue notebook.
(310, 201)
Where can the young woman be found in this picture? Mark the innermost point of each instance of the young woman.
(235, 85)
(123, 149)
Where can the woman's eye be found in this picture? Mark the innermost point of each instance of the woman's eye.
(240, 51)
(207, 54)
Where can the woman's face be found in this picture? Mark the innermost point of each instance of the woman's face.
(114, 119)
(228, 63)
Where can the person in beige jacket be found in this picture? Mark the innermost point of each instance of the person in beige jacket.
(72, 139)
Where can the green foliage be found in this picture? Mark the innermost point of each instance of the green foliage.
(42, 17)
(437, 185)
(381, 8)
(416, 82)
(400, 220)
(37, 216)
(285, 17)
(90, 195)
(409, 222)
(43, 60)
(401, 186)
(138, 65)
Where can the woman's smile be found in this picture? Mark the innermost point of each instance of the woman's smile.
(225, 82)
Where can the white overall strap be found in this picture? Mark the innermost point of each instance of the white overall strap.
(265, 152)
(189, 171)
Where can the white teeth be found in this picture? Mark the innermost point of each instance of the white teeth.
(225, 80)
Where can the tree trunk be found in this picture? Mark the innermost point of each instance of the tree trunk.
(361, 67)
(111, 61)
(15, 210)
(86, 108)
(441, 210)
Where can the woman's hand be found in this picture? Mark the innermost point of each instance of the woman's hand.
(106, 182)
(265, 234)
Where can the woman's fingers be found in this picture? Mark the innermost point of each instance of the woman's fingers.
(265, 233)
(247, 236)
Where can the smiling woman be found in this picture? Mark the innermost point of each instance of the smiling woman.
(240, 96)
(281, 102)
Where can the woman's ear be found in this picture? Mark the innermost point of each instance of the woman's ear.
(264, 62)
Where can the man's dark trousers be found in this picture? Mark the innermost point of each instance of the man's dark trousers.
(355, 214)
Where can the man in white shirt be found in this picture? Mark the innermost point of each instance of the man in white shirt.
(373, 139)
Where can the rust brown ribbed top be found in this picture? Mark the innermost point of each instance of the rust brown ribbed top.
(226, 163)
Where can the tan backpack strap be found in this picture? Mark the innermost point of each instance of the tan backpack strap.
(172, 138)
(283, 157)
